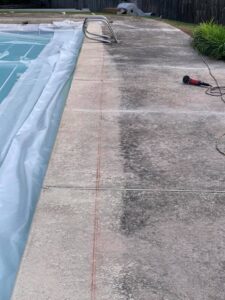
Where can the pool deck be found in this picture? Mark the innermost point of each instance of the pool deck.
(133, 202)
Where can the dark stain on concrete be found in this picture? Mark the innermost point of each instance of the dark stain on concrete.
(135, 213)
(134, 96)
(175, 240)
(137, 162)
(135, 285)
(141, 209)
(175, 248)
(171, 151)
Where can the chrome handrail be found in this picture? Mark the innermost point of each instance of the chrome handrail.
(98, 37)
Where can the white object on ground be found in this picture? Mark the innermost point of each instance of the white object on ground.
(131, 9)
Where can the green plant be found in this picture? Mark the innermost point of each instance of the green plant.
(209, 39)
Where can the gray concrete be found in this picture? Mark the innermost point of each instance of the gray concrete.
(133, 203)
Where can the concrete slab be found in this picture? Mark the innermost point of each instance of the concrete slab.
(74, 160)
(166, 246)
(89, 69)
(150, 245)
(88, 99)
(82, 98)
(172, 151)
(162, 92)
(54, 259)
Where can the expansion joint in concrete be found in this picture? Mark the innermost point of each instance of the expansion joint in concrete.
(47, 187)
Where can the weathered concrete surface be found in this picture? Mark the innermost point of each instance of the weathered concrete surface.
(133, 205)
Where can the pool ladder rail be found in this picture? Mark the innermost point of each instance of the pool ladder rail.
(109, 39)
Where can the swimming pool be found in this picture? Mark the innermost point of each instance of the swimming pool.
(36, 67)
(17, 49)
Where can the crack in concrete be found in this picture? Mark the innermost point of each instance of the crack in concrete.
(147, 111)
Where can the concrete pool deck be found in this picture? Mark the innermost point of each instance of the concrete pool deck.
(133, 205)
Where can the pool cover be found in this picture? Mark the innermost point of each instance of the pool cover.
(36, 67)
(17, 50)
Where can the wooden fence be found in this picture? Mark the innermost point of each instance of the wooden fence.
(182, 10)
(93, 5)
(188, 10)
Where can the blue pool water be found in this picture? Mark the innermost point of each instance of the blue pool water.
(16, 51)
(36, 68)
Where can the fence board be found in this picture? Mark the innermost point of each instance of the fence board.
(188, 10)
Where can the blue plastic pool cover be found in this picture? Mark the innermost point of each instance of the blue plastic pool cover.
(30, 114)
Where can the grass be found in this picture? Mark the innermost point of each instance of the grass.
(185, 27)
(209, 39)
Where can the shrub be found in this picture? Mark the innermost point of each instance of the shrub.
(209, 39)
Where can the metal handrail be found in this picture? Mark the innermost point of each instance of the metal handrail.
(98, 37)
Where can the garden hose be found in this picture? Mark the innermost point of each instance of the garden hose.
(216, 91)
